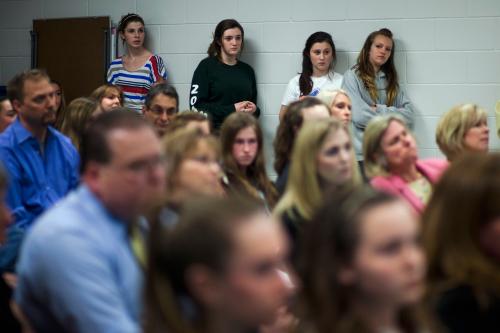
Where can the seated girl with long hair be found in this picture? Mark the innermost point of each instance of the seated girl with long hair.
(323, 157)
(222, 268)
(243, 159)
(362, 266)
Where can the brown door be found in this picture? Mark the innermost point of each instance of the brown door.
(74, 51)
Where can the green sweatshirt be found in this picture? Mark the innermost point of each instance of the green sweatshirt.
(216, 87)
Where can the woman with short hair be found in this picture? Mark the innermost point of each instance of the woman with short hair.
(391, 161)
(463, 128)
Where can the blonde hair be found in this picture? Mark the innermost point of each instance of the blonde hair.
(453, 126)
(329, 96)
(303, 189)
(374, 160)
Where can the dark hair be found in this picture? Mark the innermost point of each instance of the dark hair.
(305, 81)
(164, 89)
(287, 131)
(214, 49)
(15, 87)
(62, 106)
(126, 19)
(365, 69)
(181, 119)
(203, 236)
(330, 243)
(255, 178)
(94, 145)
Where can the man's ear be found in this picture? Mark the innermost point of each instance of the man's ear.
(144, 109)
(91, 175)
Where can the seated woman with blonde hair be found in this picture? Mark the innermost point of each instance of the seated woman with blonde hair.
(392, 163)
(463, 128)
(339, 103)
(323, 157)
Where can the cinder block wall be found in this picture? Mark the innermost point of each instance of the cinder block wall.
(448, 51)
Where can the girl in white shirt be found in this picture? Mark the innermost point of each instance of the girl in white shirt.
(318, 60)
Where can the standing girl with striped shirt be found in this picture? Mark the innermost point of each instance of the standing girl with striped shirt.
(138, 69)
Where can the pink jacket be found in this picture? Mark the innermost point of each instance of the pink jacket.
(430, 168)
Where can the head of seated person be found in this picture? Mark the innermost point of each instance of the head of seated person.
(193, 167)
(463, 128)
(7, 113)
(339, 102)
(389, 147)
(222, 267)
(191, 119)
(376, 267)
(461, 241)
(297, 112)
(161, 106)
(79, 113)
(108, 96)
(323, 158)
(243, 158)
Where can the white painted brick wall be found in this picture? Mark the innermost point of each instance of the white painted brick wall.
(448, 51)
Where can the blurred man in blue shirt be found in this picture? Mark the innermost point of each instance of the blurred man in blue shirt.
(77, 271)
(41, 162)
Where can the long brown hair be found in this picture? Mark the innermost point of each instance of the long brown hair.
(330, 243)
(365, 71)
(466, 198)
(305, 81)
(255, 177)
(203, 236)
(214, 49)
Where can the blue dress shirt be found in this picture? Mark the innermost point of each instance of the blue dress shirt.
(77, 272)
(37, 179)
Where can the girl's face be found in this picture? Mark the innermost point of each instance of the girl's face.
(58, 94)
(341, 108)
(321, 56)
(110, 100)
(245, 147)
(477, 137)
(380, 51)
(334, 160)
(231, 42)
(388, 266)
(398, 146)
(199, 173)
(256, 282)
(134, 34)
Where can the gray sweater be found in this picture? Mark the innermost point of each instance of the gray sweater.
(362, 112)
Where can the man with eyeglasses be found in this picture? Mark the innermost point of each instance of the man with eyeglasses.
(77, 271)
(161, 106)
